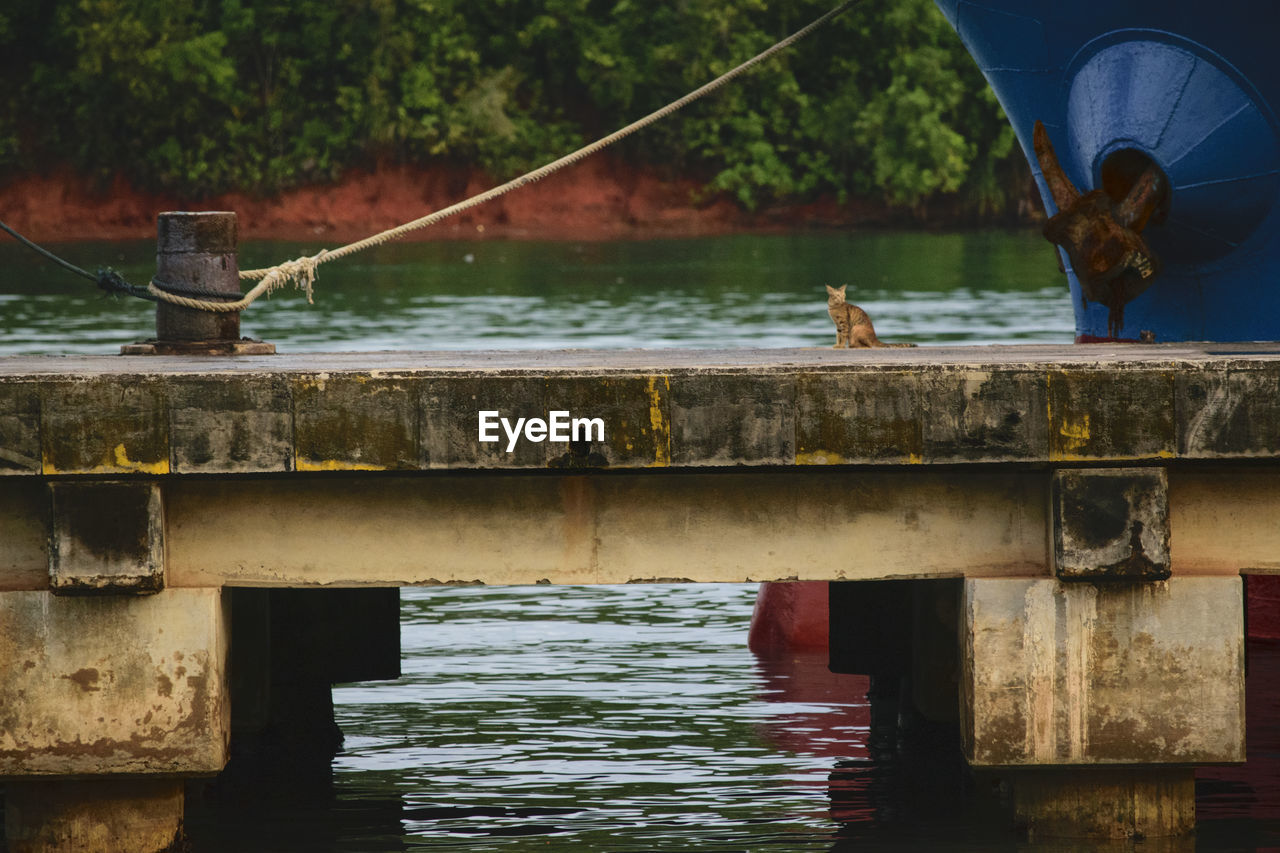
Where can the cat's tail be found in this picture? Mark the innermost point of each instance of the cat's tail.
(883, 344)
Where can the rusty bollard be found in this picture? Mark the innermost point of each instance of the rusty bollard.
(196, 257)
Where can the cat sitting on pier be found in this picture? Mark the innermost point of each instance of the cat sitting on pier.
(853, 326)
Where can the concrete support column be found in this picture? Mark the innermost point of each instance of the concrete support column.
(106, 703)
(1096, 700)
(114, 815)
(290, 646)
(1114, 803)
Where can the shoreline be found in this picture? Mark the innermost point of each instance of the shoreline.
(596, 200)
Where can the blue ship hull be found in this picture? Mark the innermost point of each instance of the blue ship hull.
(1190, 86)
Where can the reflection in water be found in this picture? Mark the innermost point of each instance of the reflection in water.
(566, 718)
(628, 718)
(814, 711)
(895, 779)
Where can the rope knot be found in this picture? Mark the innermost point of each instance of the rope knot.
(301, 272)
(111, 281)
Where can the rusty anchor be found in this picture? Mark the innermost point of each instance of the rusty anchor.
(1101, 231)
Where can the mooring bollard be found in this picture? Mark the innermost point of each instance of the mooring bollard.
(195, 255)
(196, 258)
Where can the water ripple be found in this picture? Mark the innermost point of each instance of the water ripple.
(983, 287)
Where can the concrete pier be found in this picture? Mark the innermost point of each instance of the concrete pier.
(1093, 508)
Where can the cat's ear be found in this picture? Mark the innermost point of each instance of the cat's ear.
(831, 290)
(843, 288)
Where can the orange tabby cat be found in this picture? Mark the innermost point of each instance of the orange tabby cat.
(853, 326)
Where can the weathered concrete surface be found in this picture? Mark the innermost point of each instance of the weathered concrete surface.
(1110, 524)
(1065, 673)
(97, 427)
(1223, 520)
(107, 537)
(971, 415)
(328, 411)
(221, 428)
(719, 411)
(615, 528)
(1232, 413)
(705, 525)
(738, 419)
(1103, 414)
(19, 428)
(99, 816)
(418, 411)
(25, 526)
(113, 684)
(1111, 803)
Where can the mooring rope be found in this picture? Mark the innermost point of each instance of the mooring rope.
(302, 271)
(106, 278)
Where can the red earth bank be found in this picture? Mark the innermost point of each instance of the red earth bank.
(598, 199)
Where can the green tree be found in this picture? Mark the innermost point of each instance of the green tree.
(201, 96)
(136, 84)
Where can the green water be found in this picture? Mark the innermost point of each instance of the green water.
(764, 291)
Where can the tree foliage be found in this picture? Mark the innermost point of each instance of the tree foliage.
(201, 96)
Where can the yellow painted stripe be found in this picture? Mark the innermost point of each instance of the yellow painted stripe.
(302, 464)
(116, 462)
(659, 421)
(819, 457)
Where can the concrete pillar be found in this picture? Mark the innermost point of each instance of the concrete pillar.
(935, 658)
(197, 250)
(1114, 803)
(871, 627)
(93, 816)
(899, 632)
(106, 703)
(289, 647)
(902, 634)
(1096, 700)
